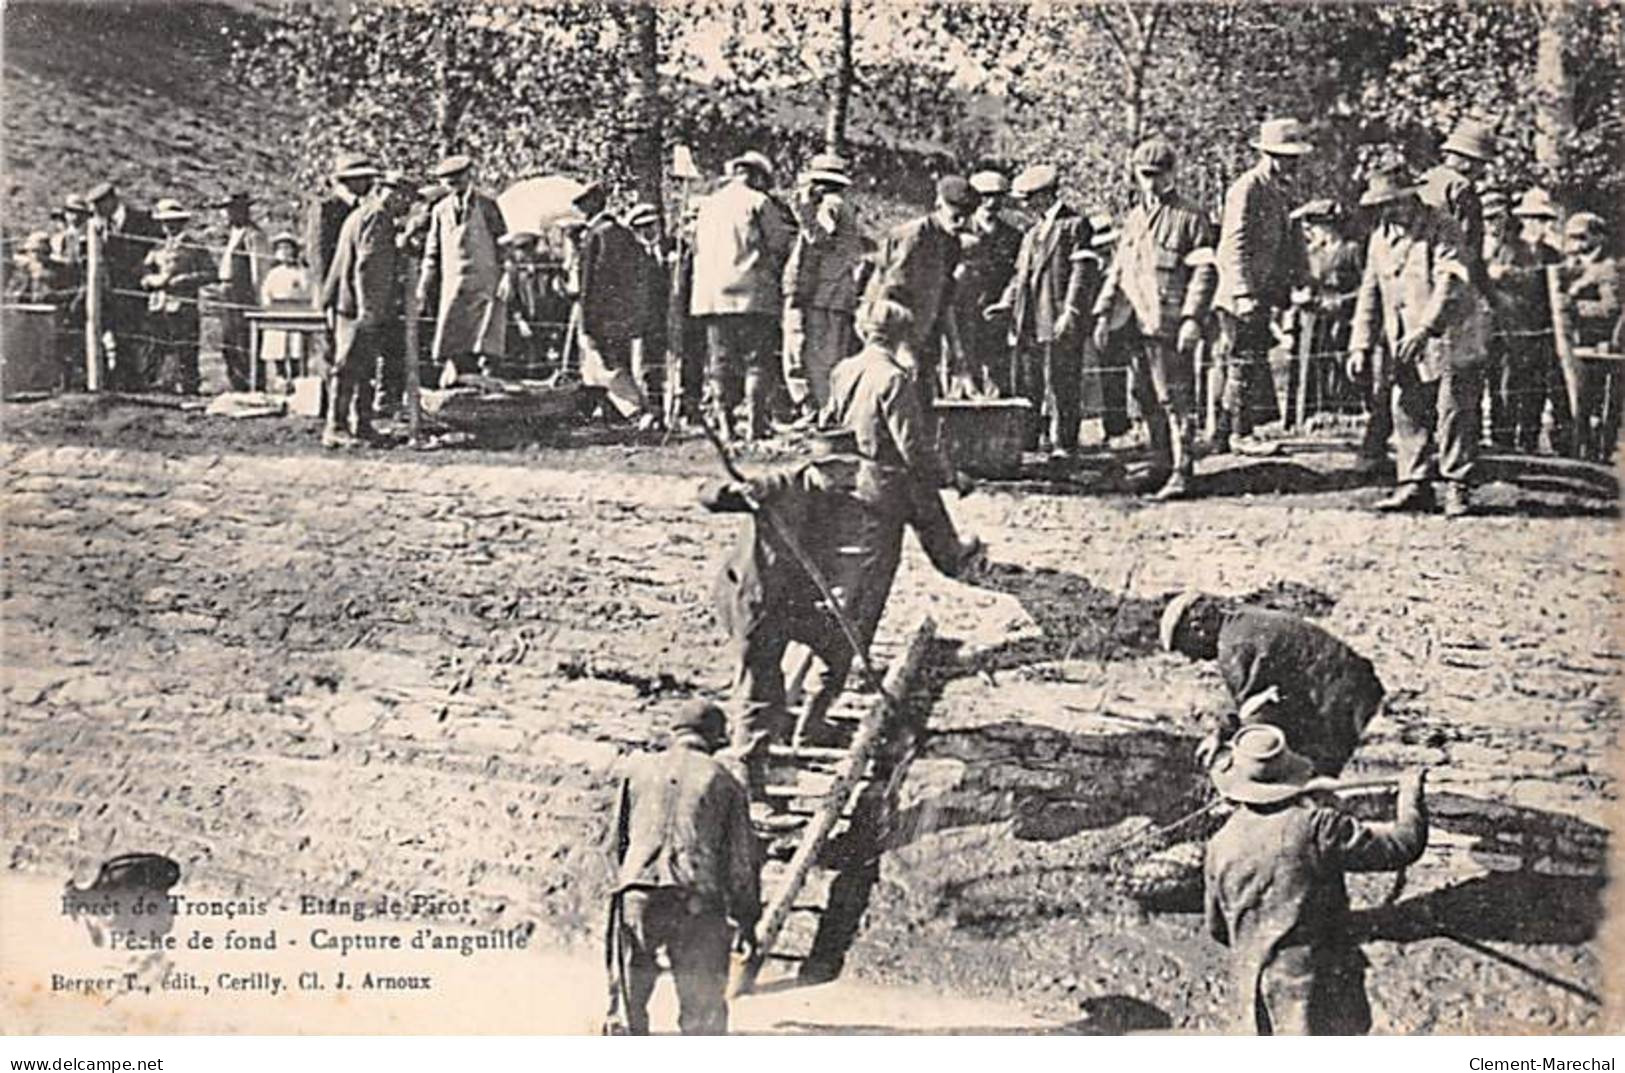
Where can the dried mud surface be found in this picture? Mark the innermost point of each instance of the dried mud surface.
(299, 673)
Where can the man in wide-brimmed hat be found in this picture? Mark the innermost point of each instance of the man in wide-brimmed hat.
(1261, 258)
(687, 878)
(1276, 894)
(176, 269)
(1166, 299)
(1522, 353)
(1415, 309)
(742, 237)
(243, 264)
(1324, 693)
(462, 265)
(351, 179)
(820, 281)
(127, 235)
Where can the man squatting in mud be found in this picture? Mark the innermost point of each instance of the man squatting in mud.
(847, 509)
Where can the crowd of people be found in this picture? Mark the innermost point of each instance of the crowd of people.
(1419, 305)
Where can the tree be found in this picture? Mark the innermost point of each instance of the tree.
(840, 98)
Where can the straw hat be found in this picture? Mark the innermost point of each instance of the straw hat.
(352, 166)
(1472, 137)
(1282, 137)
(642, 213)
(1259, 769)
(1034, 180)
(1102, 230)
(169, 209)
(989, 182)
(752, 159)
(1321, 208)
(452, 165)
(285, 238)
(1536, 204)
(1173, 616)
(826, 175)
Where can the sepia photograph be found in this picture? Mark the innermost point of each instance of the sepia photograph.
(811, 517)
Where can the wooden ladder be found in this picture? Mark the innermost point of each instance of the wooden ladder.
(818, 789)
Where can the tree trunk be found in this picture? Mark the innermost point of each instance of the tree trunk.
(840, 101)
(445, 110)
(1554, 91)
(644, 127)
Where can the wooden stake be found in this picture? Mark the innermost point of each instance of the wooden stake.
(95, 363)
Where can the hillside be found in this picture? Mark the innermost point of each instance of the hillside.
(137, 92)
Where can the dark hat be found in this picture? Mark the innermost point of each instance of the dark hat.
(236, 197)
(699, 716)
(97, 192)
(1258, 768)
(452, 165)
(1037, 178)
(136, 871)
(75, 203)
(1388, 184)
(1154, 156)
(955, 191)
(591, 193)
(518, 238)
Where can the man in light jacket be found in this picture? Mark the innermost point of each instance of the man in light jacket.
(741, 239)
(1414, 299)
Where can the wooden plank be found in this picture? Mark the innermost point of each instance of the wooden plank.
(897, 683)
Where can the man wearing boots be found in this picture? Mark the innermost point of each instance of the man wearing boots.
(1166, 297)
(742, 237)
(1261, 258)
(359, 297)
(686, 864)
(1414, 300)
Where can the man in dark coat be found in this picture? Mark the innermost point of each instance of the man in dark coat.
(916, 265)
(127, 236)
(847, 510)
(1261, 258)
(686, 863)
(609, 273)
(360, 297)
(352, 178)
(1325, 692)
(987, 261)
(1276, 895)
(1046, 330)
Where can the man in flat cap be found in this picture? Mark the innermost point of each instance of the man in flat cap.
(916, 266)
(1414, 309)
(127, 235)
(653, 291)
(361, 296)
(820, 281)
(1046, 327)
(987, 262)
(243, 264)
(607, 277)
(687, 878)
(1166, 298)
(1591, 289)
(462, 265)
(1261, 258)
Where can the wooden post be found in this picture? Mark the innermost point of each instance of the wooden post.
(1572, 375)
(1306, 363)
(95, 361)
(414, 413)
(899, 679)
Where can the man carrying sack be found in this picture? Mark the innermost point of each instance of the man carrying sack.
(686, 863)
